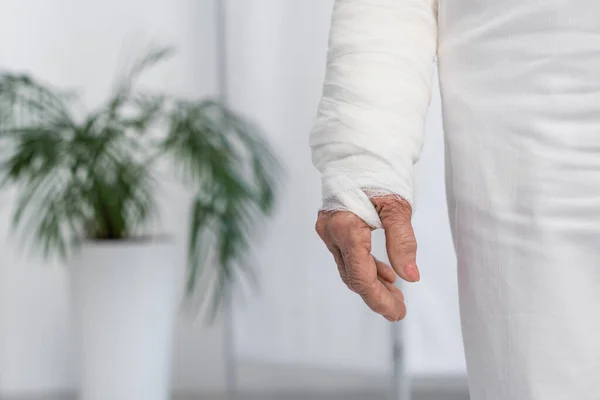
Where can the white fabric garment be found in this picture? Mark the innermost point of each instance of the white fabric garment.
(520, 83)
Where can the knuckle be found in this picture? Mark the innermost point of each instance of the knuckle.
(348, 240)
(410, 247)
(404, 238)
(338, 223)
(397, 220)
(356, 284)
(393, 207)
(321, 223)
(357, 280)
(407, 239)
(352, 238)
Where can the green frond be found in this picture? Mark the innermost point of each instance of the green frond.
(229, 163)
(94, 178)
(77, 179)
(125, 85)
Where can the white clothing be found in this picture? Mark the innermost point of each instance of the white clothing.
(520, 84)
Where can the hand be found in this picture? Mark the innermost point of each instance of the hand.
(348, 238)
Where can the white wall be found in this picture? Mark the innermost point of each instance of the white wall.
(79, 44)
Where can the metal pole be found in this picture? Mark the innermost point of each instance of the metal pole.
(222, 59)
(401, 385)
(229, 350)
(231, 372)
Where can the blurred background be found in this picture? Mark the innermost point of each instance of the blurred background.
(300, 334)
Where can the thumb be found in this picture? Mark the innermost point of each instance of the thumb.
(395, 214)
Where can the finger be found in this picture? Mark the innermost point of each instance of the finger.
(337, 255)
(401, 245)
(396, 293)
(361, 272)
(384, 271)
(394, 290)
(321, 227)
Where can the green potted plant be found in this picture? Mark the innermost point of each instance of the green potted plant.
(86, 191)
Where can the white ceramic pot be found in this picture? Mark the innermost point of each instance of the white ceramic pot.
(125, 300)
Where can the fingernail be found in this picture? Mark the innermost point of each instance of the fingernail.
(412, 272)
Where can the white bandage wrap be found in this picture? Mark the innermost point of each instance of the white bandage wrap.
(368, 132)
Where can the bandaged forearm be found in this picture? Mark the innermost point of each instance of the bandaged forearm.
(369, 128)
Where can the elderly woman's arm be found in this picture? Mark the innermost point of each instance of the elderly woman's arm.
(369, 133)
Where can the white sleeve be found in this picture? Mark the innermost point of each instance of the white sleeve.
(369, 128)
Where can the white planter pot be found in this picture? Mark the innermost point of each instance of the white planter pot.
(125, 300)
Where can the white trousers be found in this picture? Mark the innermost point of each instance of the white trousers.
(520, 83)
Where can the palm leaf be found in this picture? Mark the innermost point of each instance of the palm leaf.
(225, 159)
(94, 178)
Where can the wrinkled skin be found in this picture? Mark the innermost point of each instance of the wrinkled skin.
(348, 238)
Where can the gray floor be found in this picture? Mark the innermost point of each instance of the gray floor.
(298, 396)
(340, 396)
(426, 391)
(269, 382)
